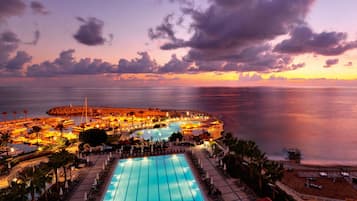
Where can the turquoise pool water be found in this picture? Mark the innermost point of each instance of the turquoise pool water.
(156, 178)
(158, 134)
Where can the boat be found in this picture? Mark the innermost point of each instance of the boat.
(84, 125)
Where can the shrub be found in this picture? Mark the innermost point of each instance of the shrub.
(175, 136)
(93, 137)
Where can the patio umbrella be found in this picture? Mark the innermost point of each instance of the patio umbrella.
(211, 180)
(85, 196)
(97, 177)
(224, 167)
(95, 182)
(207, 175)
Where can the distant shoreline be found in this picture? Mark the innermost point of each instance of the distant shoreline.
(93, 110)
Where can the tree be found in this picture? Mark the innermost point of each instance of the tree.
(274, 171)
(4, 114)
(34, 178)
(175, 136)
(37, 130)
(5, 139)
(41, 177)
(141, 113)
(60, 127)
(93, 137)
(132, 114)
(17, 192)
(55, 162)
(67, 158)
(26, 177)
(25, 113)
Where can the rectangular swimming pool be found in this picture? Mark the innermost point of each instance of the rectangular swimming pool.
(155, 178)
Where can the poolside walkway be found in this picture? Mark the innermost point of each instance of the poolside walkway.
(88, 175)
(19, 167)
(230, 191)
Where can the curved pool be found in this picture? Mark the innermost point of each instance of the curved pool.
(158, 134)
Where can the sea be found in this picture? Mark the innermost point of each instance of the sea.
(321, 122)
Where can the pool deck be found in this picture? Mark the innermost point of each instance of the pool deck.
(88, 174)
(230, 191)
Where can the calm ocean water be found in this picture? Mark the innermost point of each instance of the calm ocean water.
(322, 123)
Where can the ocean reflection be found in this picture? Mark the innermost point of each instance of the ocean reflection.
(320, 122)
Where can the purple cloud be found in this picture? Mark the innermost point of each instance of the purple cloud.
(9, 37)
(11, 65)
(330, 62)
(66, 64)
(91, 32)
(9, 8)
(175, 65)
(142, 64)
(38, 8)
(18, 61)
(237, 32)
(303, 40)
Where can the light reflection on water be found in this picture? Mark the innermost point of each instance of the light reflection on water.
(321, 122)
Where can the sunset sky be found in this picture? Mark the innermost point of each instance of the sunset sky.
(178, 42)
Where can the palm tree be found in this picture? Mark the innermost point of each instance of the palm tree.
(26, 176)
(17, 192)
(61, 159)
(41, 177)
(5, 139)
(260, 161)
(37, 130)
(25, 113)
(132, 114)
(274, 171)
(55, 162)
(60, 127)
(4, 114)
(141, 113)
(66, 159)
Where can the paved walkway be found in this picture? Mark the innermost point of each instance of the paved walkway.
(88, 174)
(230, 191)
(13, 172)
